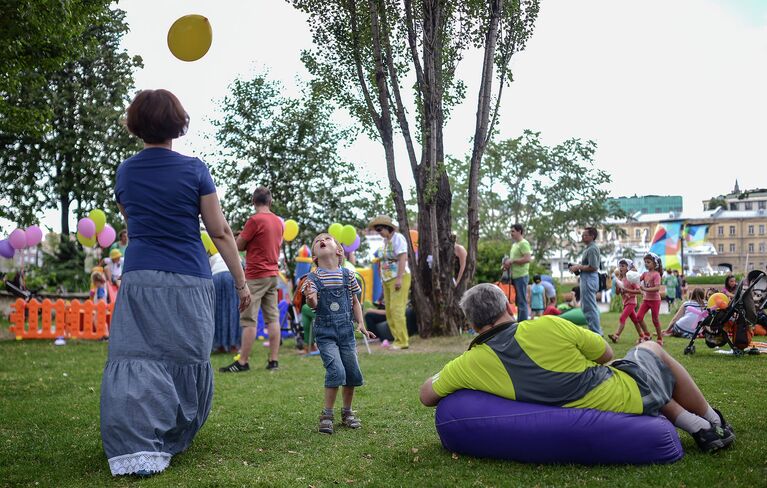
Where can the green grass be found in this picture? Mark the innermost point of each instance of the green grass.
(262, 429)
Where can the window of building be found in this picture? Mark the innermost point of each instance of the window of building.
(732, 247)
(749, 206)
(644, 209)
(720, 230)
(732, 230)
(750, 230)
(761, 204)
(761, 229)
(762, 247)
(750, 266)
(638, 233)
(720, 248)
(751, 248)
(733, 206)
(658, 210)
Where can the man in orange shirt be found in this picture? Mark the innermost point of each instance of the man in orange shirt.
(261, 239)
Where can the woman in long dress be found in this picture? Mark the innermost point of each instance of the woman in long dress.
(158, 383)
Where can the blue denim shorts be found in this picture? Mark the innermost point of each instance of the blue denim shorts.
(338, 349)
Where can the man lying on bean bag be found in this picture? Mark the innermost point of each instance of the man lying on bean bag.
(553, 362)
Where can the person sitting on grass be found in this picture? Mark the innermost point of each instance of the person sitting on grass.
(688, 316)
(551, 361)
(331, 290)
(552, 309)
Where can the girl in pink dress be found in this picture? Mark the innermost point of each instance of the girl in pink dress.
(650, 280)
(629, 292)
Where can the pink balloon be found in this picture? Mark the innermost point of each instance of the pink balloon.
(86, 227)
(106, 236)
(18, 239)
(34, 235)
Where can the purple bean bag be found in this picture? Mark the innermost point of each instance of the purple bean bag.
(483, 425)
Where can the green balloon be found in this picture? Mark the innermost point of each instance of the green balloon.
(348, 235)
(335, 230)
(99, 218)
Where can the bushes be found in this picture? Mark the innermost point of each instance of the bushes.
(707, 280)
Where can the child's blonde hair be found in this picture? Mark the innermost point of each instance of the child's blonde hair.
(341, 256)
(98, 277)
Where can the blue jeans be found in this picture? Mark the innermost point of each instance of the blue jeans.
(338, 349)
(589, 288)
(520, 287)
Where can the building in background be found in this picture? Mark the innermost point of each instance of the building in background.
(647, 204)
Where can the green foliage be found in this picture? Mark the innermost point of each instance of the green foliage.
(551, 191)
(61, 271)
(50, 408)
(714, 280)
(37, 37)
(74, 159)
(717, 202)
(490, 255)
(289, 145)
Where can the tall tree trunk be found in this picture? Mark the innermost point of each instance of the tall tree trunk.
(480, 135)
(64, 202)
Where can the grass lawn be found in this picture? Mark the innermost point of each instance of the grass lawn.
(262, 429)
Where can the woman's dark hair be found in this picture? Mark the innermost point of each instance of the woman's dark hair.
(536, 278)
(727, 280)
(156, 116)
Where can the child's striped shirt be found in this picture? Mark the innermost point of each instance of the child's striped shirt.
(330, 278)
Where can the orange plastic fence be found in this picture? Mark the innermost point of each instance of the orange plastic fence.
(49, 320)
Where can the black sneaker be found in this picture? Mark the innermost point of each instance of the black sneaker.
(728, 430)
(235, 367)
(272, 365)
(713, 439)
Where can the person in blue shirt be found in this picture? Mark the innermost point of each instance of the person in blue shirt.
(537, 293)
(157, 386)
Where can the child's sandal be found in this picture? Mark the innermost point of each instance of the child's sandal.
(614, 337)
(326, 424)
(350, 420)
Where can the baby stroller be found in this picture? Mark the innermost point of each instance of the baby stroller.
(737, 318)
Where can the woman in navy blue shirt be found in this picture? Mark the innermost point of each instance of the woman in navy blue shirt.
(158, 383)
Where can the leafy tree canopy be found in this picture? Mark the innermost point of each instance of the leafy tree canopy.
(289, 145)
(551, 191)
(73, 160)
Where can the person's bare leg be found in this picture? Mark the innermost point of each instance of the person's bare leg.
(348, 395)
(248, 336)
(274, 340)
(686, 393)
(330, 397)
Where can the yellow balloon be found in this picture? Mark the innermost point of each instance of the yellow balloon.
(291, 230)
(335, 231)
(207, 243)
(189, 37)
(86, 242)
(348, 235)
(99, 218)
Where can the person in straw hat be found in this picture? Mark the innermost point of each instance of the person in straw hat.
(395, 275)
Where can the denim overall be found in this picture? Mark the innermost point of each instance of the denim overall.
(334, 333)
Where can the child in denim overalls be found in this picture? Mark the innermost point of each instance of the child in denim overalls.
(331, 290)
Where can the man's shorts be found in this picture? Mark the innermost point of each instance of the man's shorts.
(263, 295)
(653, 377)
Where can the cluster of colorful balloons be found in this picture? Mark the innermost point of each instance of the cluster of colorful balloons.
(346, 235)
(291, 230)
(93, 229)
(20, 239)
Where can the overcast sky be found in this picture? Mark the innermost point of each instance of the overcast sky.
(673, 92)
